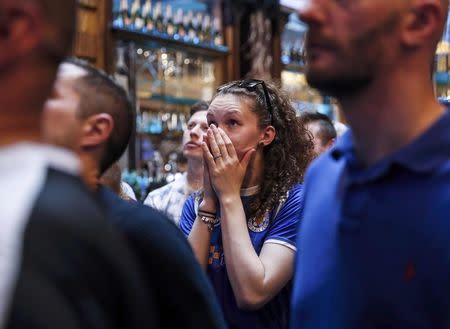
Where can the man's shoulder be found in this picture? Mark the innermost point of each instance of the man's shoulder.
(136, 218)
(65, 197)
(321, 168)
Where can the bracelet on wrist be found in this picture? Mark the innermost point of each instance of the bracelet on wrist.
(206, 213)
(209, 221)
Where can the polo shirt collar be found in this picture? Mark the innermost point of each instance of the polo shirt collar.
(425, 154)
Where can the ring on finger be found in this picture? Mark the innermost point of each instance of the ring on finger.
(217, 156)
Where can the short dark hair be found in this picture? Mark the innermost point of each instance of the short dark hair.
(199, 106)
(99, 93)
(327, 131)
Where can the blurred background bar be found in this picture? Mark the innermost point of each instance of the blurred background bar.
(170, 54)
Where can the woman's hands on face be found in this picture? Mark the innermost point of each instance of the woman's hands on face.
(226, 172)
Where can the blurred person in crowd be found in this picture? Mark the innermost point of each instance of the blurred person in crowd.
(374, 249)
(62, 264)
(243, 225)
(112, 178)
(104, 119)
(322, 129)
(170, 198)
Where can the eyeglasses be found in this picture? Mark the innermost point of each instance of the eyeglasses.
(252, 85)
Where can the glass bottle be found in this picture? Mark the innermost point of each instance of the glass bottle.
(206, 29)
(168, 21)
(121, 72)
(186, 25)
(123, 19)
(158, 19)
(179, 27)
(137, 21)
(147, 14)
(191, 26)
(198, 27)
(217, 34)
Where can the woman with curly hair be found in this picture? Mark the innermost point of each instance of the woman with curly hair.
(243, 226)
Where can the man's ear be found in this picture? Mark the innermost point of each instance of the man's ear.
(330, 143)
(22, 27)
(97, 130)
(423, 23)
(268, 136)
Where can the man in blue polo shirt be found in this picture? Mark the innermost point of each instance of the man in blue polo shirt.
(374, 245)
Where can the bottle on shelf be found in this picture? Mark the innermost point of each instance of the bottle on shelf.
(206, 30)
(158, 18)
(198, 23)
(121, 72)
(186, 26)
(137, 19)
(180, 32)
(123, 19)
(191, 26)
(168, 21)
(147, 16)
(217, 33)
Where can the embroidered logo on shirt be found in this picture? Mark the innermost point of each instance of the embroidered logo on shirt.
(253, 225)
(215, 258)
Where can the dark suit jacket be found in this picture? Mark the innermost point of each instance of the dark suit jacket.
(76, 271)
(183, 294)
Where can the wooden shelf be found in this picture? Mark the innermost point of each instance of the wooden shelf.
(293, 67)
(153, 40)
(88, 4)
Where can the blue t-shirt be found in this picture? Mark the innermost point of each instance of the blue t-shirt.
(375, 245)
(279, 226)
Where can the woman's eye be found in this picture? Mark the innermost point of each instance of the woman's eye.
(233, 123)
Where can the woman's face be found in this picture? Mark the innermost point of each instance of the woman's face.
(238, 122)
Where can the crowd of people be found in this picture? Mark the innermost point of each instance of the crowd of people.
(277, 223)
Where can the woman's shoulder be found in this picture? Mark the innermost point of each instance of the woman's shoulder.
(295, 192)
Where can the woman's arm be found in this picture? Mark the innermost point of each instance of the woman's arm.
(255, 279)
(200, 235)
(200, 238)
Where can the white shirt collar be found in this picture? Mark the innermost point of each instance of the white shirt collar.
(55, 157)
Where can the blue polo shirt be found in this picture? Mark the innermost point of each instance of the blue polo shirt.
(374, 244)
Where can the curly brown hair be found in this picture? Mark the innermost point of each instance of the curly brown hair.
(287, 157)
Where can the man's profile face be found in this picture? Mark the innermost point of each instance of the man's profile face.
(61, 124)
(348, 41)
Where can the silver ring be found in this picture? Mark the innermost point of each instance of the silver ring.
(217, 156)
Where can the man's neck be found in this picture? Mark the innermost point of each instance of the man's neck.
(90, 171)
(389, 115)
(194, 174)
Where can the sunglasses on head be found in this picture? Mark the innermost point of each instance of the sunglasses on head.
(252, 85)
